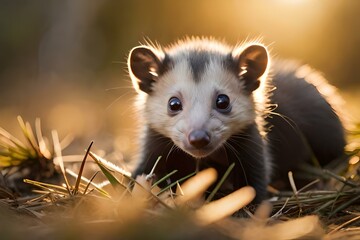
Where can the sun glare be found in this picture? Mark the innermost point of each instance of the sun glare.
(293, 2)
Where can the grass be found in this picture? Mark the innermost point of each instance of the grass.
(57, 202)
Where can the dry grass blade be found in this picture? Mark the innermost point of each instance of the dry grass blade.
(308, 227)
(340, 178)
(144, 185)
(12, 141)
(154, 167)
(99, 206)
(29, 135)
(32, 159)
(49, 187)
(57, 151)
(42, 145)
(88, 183)
(14, 149)
(218, 185)
(76, 188)
(344, 224)
(293, 186)
(167, 176)
(175, 183)
(118, 185)
(345, 205)
(224, 207)
(196, 185)
(110, 166)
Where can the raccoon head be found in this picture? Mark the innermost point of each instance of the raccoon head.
(199, 93)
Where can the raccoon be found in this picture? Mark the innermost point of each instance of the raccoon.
(206, 104)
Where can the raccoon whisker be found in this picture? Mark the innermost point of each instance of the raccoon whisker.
(173, 148)
(118, 88)
(231, 148)
(246, 138)
(235, 145)
(117, 100)
(287, 120)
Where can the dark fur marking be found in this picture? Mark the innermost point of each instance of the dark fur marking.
(198, 62)
(167, 65)
(230, 64)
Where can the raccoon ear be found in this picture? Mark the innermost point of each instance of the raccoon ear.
(252, 63)
(144, 67)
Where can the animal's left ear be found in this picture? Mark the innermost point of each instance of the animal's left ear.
(252, 64)
(144, 66)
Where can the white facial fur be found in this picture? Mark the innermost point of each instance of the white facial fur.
(198, 101)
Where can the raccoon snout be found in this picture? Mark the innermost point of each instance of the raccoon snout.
(199, 138)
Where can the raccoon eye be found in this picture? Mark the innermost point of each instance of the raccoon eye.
(223, 103)
(174, 105)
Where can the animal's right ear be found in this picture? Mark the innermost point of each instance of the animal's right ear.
(144, 68)
(252, 63)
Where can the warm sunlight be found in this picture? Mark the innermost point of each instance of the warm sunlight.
(180, 119)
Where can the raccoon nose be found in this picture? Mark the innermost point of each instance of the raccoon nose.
(199, 138)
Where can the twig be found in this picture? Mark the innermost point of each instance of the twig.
(344, 224)
(293, 186)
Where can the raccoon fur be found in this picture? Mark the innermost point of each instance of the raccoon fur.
(206, 104)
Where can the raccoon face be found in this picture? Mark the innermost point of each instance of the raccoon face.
(197, 97)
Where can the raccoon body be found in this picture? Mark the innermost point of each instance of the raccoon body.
(205, 104)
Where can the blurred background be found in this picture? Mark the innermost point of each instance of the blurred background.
(64, 61)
